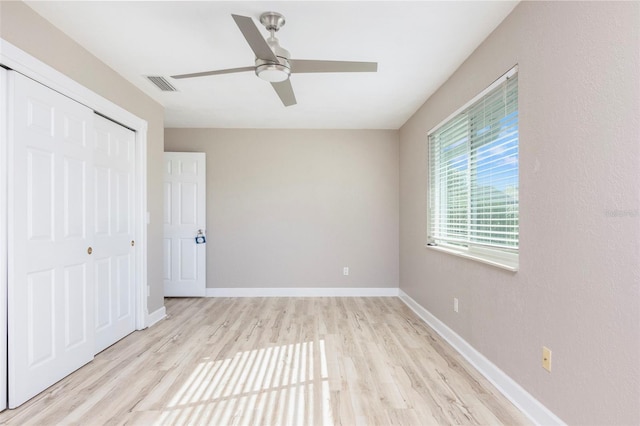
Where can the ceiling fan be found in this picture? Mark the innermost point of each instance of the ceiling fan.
(274, 64)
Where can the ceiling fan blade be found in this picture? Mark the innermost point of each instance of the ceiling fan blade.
(257, 43)
(306, 65)
(216, 72)
(285, 92)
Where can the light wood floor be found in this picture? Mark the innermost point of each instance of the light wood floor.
(293, 361)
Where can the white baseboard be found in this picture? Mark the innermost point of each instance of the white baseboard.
(304, 292)
(155, 316)
(530, 406)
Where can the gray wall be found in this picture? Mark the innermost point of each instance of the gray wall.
(24, 28)
(291, 208)
(577, 290)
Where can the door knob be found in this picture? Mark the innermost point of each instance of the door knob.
(89, 250)
(200, 238)
(133, 243)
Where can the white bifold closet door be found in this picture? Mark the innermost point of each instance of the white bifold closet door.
(113, 232)
(50, 295)
(57, 237)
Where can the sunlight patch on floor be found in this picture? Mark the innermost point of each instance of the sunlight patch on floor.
(286, 384)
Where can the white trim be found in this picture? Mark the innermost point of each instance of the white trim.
(531, 407)
(141, 224)
(502, 263)
(4, 140)
(20, 61)
(156, 316)
(303, 292)
(492, 86)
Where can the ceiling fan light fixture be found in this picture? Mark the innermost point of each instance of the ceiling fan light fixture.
(273, 63)
(273, 73)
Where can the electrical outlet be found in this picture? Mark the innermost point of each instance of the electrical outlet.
(455, 304)
(546, 358)
(345, 270)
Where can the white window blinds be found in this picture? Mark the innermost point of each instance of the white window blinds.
(473, 170)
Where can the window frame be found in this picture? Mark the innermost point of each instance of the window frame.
(503, 258)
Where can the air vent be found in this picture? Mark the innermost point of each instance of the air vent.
(162, 84)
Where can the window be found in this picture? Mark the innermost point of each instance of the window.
(473, 175)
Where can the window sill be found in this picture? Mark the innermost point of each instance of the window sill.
(498, 263)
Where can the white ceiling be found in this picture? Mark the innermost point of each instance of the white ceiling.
(417, 45)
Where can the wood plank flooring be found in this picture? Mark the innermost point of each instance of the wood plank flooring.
(275, 361)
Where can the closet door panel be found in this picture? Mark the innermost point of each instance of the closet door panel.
(50, 269)
(114, 232)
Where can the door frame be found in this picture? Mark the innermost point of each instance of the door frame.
(16, 59)
(4, 138)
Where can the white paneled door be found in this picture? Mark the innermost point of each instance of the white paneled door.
(71, 227)
(184, 219)
(113, 247)
(50, 234)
